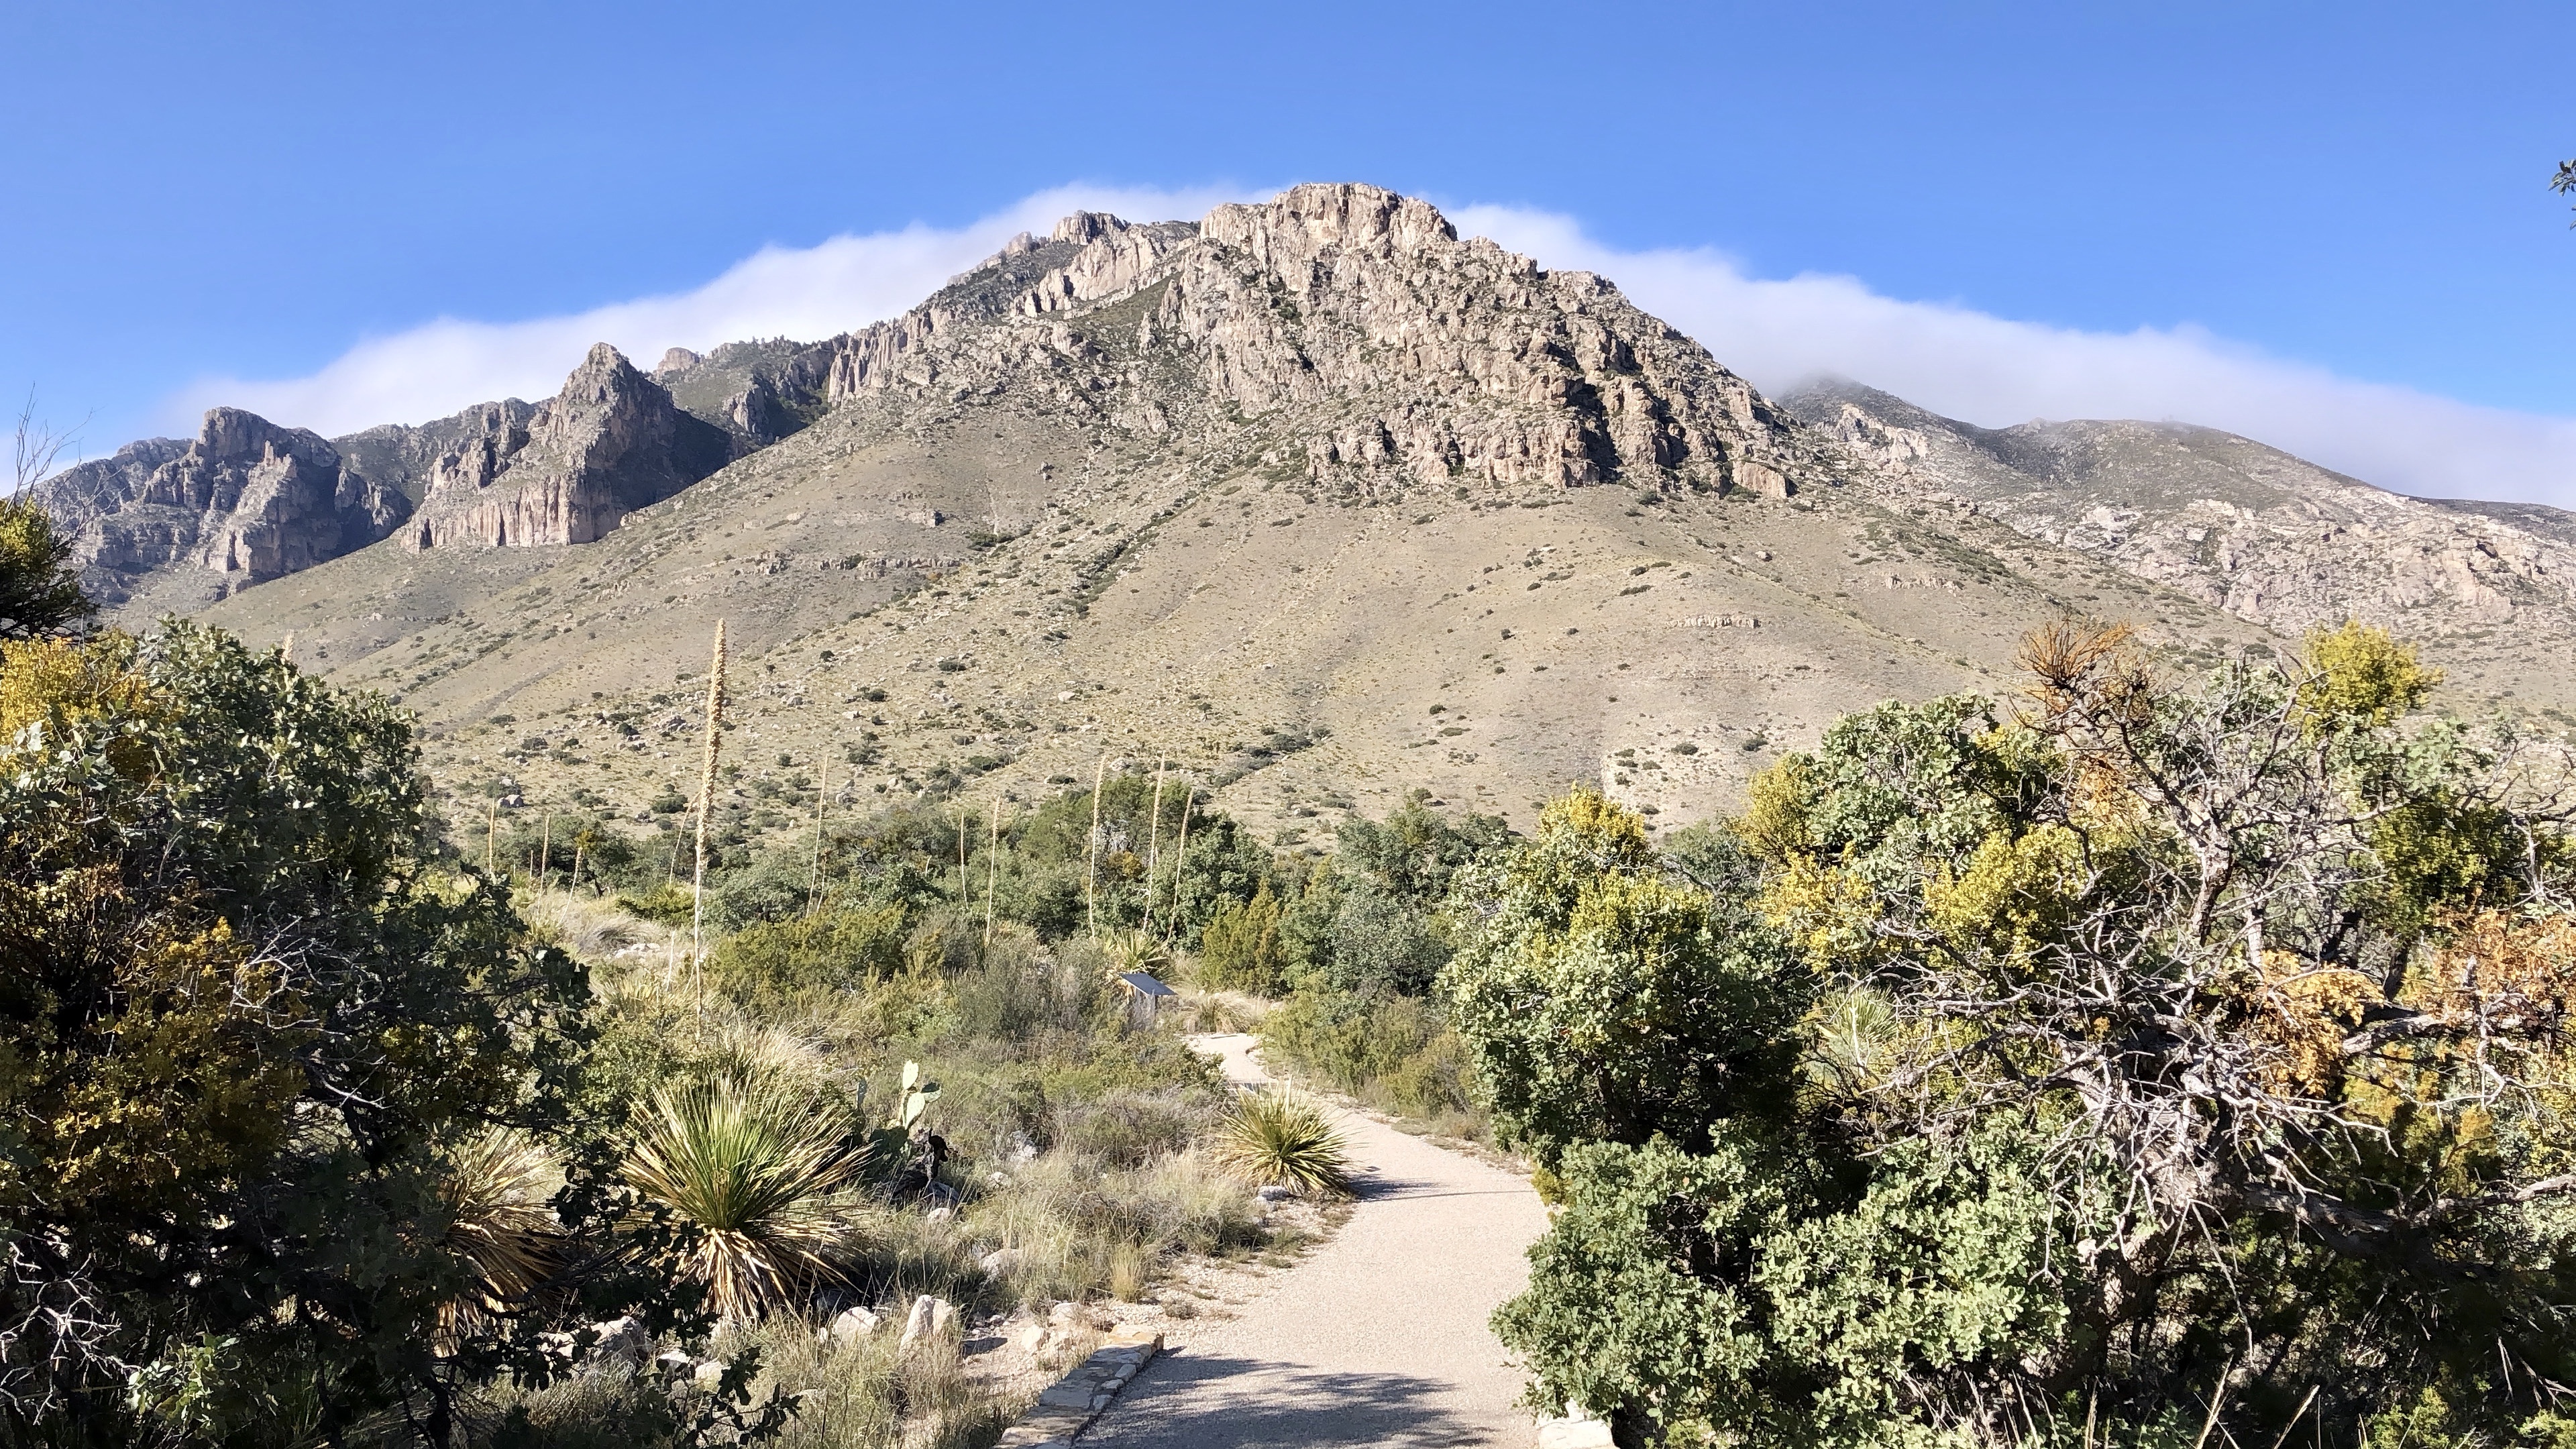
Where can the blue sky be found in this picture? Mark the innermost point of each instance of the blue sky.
(2346, 196)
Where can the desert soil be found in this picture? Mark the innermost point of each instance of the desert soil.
(1377, 1337)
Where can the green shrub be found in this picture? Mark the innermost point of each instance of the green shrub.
(1240, 949)
(1393, 1052)
(835, 951)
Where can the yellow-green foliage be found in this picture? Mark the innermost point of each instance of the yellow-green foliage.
(1599, 824)
(1830, 913)
(185, 1086)
(58, 682)
(1774, 823)
(39, 586)
(2016, 894)
(2360, 675)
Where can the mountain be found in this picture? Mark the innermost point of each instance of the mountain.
(1314, 497)
(170, 525)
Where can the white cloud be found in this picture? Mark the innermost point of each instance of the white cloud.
(1995, 372)
(1966, 364)
(807, 293)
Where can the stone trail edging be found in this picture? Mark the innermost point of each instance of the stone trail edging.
(1068, 1405)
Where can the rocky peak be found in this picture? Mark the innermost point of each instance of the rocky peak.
(1355, 321)
(1287, 235)
(676, 360)
(1086, 226)
(244, 502)
(610, 442)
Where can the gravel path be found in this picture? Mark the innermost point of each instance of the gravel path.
(1378, 1336)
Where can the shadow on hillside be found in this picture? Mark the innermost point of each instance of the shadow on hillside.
(1220, 1402)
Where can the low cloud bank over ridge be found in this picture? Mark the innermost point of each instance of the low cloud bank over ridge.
(1995, 372)
(807, 293)
(1970, 365)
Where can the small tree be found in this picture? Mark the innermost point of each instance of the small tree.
(40, 589)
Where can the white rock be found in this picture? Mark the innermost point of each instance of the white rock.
(1577, 1430)
(930, 1318)
(852, 1324)
(620, 1340)
(1001, 1262)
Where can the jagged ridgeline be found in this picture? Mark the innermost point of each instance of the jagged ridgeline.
(1314, 496)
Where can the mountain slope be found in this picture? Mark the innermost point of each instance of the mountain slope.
(2242, 527)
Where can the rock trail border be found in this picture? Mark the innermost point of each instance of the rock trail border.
(1377, 1337)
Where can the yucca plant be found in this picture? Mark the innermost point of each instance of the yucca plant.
(1272, 1138)
(499, 1225)
(762, 1178)
(1135, 951)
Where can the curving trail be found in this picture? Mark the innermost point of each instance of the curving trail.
(1378, 1337)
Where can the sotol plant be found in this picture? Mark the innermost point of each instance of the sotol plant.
(763, 1180)
(1271, 1138)
(501, 1227)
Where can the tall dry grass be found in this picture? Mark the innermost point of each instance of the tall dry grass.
(1081, 1229)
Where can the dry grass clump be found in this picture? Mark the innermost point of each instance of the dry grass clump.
(1274, 1139)
(587, 926)
(1079, 1228)
(868, 1391)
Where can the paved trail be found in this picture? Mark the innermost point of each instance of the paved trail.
(1378, 1337)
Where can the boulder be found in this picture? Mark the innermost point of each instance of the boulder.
(851, 1325)
(620, 1341)
(930, 1318)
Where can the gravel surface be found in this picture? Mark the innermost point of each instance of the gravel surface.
(1378, 1336)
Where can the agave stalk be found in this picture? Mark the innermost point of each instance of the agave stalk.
(706, 798)
(763, 1181)
(1091, 860)
(1154, 841)
(992, 869)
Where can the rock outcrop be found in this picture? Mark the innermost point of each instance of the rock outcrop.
(568, 470)
(245, 502)
(758, 392)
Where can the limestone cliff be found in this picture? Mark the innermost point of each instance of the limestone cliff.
(568, 470)
(245, 502)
